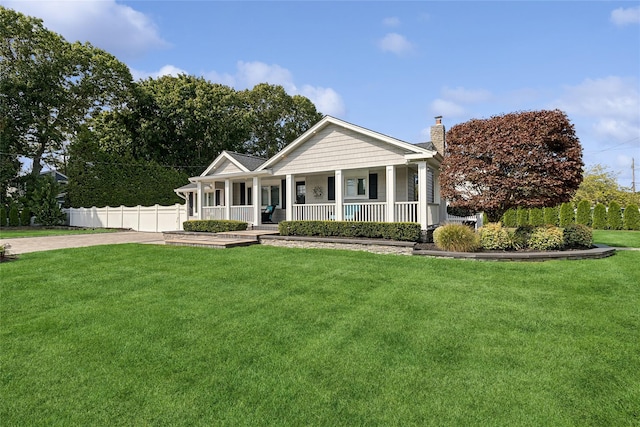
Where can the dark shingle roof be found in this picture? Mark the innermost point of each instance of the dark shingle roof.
(427, 145)
(250, 162)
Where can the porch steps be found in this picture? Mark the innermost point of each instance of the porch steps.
(214, 240)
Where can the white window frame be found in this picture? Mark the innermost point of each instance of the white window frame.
(356, 176)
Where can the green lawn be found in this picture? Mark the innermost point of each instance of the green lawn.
(624, 239)
(156, 335)
(9, 233)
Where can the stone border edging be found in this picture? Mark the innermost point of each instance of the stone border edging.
(600, 251)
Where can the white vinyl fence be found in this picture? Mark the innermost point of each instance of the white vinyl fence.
(139, 218)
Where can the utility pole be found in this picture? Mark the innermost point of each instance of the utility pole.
(633, 175)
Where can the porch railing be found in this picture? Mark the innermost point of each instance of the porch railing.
(213, 212)
(368, 212)
(242, 213)
(406, 211)
(314, 212)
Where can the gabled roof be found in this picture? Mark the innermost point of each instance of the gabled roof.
(329, 120)
(244, 162)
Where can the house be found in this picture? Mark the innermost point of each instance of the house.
(334, 171)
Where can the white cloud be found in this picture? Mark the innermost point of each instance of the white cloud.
(166, 70)
(622, 16)
(612, 104)
(326, 100)
(116, 28)
(395, 43)
(391, 21)
(249, 74)
(447, 108)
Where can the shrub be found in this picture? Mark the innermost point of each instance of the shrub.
(3, 216)
(583, 215)
(494, 237)
(403, 231)
(567, 215)
(614, 216)
(578, 236)
(214, 226)
(14, 216)
(456, 238)
(521, 236)
(510, 218)
(25, 217)
(522, 216)
(631, 217)
(550, 216)
(536, 217)
(546, 238)
(599, 217)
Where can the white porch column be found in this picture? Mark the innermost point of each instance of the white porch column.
(391, 193)
(339, 196)
(290, 195)
(227, 199)
(423, 208)
(199, 197)
(255, 199)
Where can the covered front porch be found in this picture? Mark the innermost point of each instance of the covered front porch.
(395, 193)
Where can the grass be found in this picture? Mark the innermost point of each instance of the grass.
(154, 335)
(622, 239)
(12, 233)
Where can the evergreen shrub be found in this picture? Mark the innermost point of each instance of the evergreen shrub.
(214, 226)
(14, 216)
(25, 217)
(536, 217)
(494, 237)
(456, 238)
(578, 236)
(3, 216)
(522, 235)
(631, 217)
(522, 216)
(599, 217)
(550, 215)
(583, 214)
(510, 218)
(567, 214)
(614, 216)
(546, 238)
(402, 231)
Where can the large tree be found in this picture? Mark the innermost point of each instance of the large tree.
(600, 185)
(525, 159)
(48, 86)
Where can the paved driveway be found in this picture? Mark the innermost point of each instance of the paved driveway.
(36, 244)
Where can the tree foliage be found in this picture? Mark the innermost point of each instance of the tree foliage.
(44, 203)
(99, 178)
(527, 159)
(600, 185)
(48, 86)
(614, 216)
(550, 215)
(567, 214)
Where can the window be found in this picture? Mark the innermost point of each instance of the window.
(270, 195)
(356, 187)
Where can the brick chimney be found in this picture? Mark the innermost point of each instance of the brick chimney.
(437, 135)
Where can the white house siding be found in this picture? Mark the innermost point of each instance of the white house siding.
(335, 148)
(226, 167)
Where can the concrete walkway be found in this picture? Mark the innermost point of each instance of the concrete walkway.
(24, 245)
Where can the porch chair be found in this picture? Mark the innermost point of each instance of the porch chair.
(268, 213)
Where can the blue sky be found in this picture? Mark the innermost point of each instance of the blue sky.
(393, 66)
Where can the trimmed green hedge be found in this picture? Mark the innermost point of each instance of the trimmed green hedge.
(404, 231)
(214, 226)
(631, 217)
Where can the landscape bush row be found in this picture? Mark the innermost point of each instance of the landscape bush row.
(15, 217)
(599, 217)
(403, 231)
(493, 236)
(214, 226)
